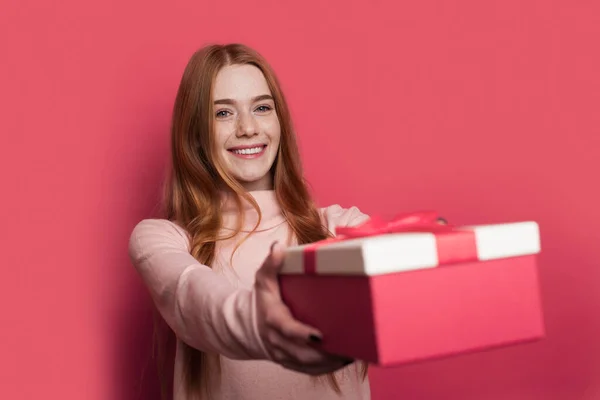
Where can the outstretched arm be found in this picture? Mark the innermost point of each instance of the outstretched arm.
(201, 307)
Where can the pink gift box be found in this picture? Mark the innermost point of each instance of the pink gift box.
(411, 291)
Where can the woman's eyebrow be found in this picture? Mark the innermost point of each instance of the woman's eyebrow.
(254, 99)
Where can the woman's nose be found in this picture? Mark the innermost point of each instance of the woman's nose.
(247, 126)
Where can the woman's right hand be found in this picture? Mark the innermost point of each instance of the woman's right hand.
(288, 341)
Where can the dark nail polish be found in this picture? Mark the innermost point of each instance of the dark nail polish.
(315, 339)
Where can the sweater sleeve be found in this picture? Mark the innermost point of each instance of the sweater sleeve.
(201, 307)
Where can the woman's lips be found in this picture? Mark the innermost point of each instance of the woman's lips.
(248, 152)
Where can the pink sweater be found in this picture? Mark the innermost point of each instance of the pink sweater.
(213, 309)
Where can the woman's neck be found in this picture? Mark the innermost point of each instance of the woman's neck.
(264, 183)
(266, 199)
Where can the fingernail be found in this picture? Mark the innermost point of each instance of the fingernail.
(315, 338)
(442, 221)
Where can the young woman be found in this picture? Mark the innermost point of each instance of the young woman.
(235, 198)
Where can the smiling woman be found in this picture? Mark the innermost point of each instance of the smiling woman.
(236, 190)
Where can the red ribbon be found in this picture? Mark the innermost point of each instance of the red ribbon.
(458, 246)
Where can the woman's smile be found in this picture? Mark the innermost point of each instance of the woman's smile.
(248, 151)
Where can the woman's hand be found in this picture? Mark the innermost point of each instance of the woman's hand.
(289, 342)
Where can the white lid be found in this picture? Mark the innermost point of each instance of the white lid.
(398, 252)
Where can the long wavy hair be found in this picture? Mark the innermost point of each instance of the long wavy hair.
(192, 191)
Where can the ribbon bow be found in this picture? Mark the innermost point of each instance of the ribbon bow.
(421, 221)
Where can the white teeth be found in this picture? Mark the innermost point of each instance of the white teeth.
(253, 150)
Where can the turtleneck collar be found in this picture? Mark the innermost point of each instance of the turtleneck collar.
(269, 208)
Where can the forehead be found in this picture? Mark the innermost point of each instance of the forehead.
(240, 82)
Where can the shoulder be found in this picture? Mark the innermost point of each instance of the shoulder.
(152, 235)
(336, 215)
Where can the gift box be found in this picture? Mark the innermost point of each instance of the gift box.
(411, 289)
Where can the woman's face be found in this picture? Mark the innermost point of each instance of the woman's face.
(246, 125)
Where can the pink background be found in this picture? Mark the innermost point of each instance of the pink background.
(484, 110)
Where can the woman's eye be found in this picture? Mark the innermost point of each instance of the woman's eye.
(263, 108)
(222, 113)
